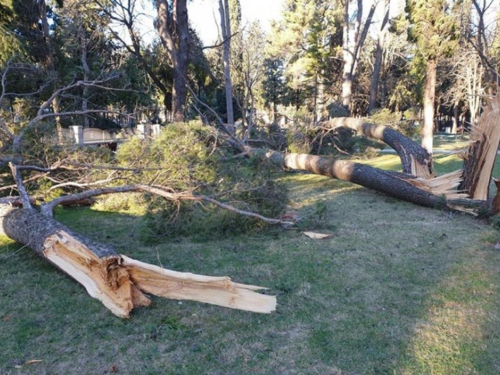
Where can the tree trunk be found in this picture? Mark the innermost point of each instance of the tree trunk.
(50, 64)
(226, 37)
(117, 281)
(415, 160)
(454, 127)
(177, 46)
(86, 73)
(351, 50)
(319, 98)
(378, 57)
(348, 58)
(429, 99)
(182, 52)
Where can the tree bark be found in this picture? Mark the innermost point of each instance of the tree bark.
(120, 282)
(378, 57)
(429, 99)
(415, 160)
(348, 58)
(425, 192)
(181, 70)
(226, 37)
(86, 72)
(174, 34)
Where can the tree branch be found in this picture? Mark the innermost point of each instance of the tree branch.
(23, 194)
(48, 208)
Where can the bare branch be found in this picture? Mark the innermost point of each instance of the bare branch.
(82, 185)
(20, 186)
(202, 198)
(48, 208)
(32, 178)
(221, 43)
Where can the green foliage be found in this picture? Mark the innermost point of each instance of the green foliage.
(434, 27)
(10, 45)
(183, 158)
(130, 203)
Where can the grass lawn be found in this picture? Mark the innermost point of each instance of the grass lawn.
(397, 289)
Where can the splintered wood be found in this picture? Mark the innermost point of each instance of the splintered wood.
(444, 185)
(119, 281)
(103, 278)
(482, 152)
(219, 291)
(419, 169)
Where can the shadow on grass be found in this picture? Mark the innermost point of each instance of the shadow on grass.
(393, 280)
(394, 271)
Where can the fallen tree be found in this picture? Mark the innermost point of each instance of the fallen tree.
(116, 280)
(415, 159)
(464, 190)
(121, 283)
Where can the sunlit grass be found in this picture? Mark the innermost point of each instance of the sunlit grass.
(455, 334)
(397, 289)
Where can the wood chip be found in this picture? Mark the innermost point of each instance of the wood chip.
(317, 236)
(32, 361)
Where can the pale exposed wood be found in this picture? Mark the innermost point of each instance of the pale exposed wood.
(482, 152)
(317, 236)
(120, 282)
(219, 291)
(103, 278)
(419, 170)
(444, 185)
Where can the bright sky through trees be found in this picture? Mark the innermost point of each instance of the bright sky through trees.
(204, 15)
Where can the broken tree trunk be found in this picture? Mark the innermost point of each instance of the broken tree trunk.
(436, 192)
(483, 148)
(426, 192)
(415, 159)
(463, 190)
(117, 281)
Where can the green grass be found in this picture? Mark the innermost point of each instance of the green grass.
(398, 289)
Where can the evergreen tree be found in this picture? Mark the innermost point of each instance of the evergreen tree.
(434, 29)
(305, 41)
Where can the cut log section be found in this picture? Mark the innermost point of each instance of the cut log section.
(120, 282)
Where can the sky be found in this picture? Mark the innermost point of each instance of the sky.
(204, 15)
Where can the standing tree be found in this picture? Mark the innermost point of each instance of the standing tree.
(434, 29)
(379, 52)
(252, 70)
(485, 38)
(353, 39)
(273, 85)
(225, 24)
(124, 14)
(173, 29)
(10, 43)
(305, 41)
